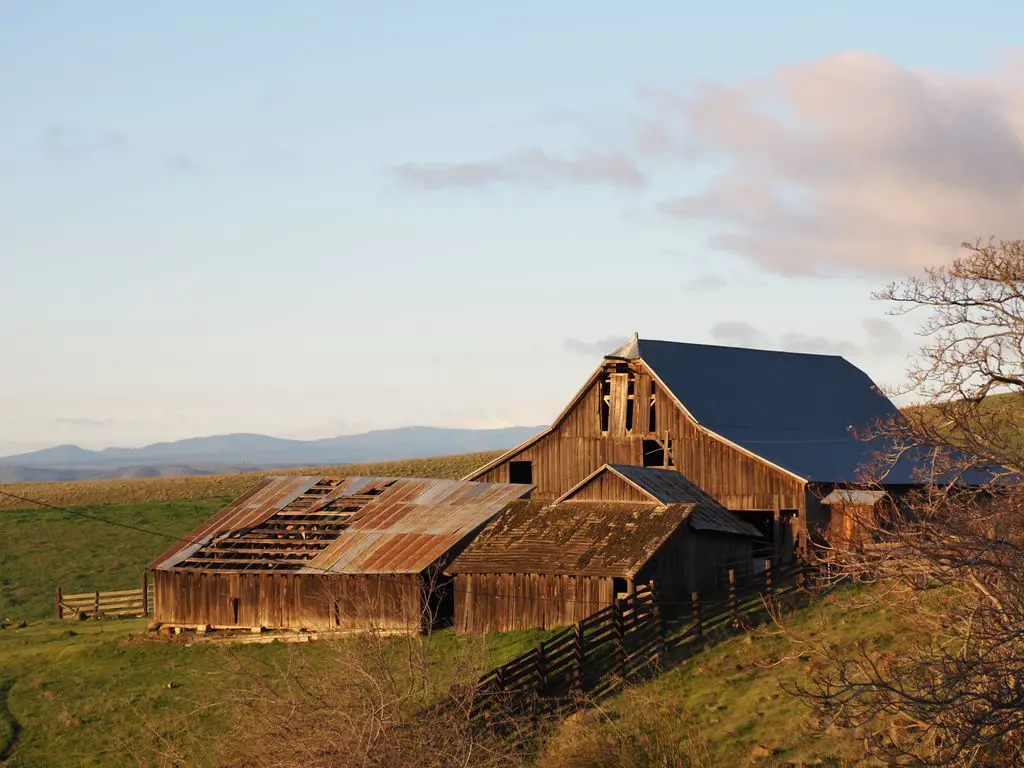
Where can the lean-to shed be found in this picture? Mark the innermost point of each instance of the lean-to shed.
(319, 553)
(549, 564)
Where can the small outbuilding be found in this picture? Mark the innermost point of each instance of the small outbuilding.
(854, 514)
(549, 564)
(319, 553)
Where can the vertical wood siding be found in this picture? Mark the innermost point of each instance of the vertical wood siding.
(294, 601)
(577, 447)
(501, 602)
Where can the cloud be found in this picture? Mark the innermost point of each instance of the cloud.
(184, 164)
(738, 334)
(531, 168)
(65, 146)
(600, 347)
(705, 283)
(883, 340)
(80, 421)
(849, 163)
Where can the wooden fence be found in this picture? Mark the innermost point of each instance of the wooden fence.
(96, 605)
(623, 642)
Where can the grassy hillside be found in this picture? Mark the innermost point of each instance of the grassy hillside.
(727, 705)
(44, 548)
(158, 489)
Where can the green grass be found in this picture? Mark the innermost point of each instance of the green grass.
(89, 694)
(161, 489)
(732, 693)
(41, 549)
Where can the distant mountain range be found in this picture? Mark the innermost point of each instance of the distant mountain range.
(246, 452)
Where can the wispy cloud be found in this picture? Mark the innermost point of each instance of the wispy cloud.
(594, 348)
(84, 422)
(66, 146)
(882, 340)
(532, 167)
(184, 164)
(846, 164)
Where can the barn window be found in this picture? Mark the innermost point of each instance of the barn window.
(337, 613)
(520, 472)
(234, 609)
(654, 454)
(606, 401)
(652, 413)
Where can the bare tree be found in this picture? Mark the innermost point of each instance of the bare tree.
(949, 554)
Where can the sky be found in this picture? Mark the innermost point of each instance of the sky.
(236, 217)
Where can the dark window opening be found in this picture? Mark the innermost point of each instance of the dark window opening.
(337, 613)
(619, 586)
(654, 454)
(630, 401)
(606, 399)
(234, 609)
(652, 413)
(520, 472)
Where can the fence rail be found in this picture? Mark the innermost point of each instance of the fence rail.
(625, 641)
(115, 604)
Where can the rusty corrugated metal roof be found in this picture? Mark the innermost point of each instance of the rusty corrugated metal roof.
(356, 525)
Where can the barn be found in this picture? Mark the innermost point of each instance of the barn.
(549, 564)
(768, 434)
(322, 554)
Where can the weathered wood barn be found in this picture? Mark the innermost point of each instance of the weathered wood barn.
(322, 554)
(767, 434)
(549, 564)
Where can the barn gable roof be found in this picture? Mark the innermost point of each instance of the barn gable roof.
(357, 525)
(590, 538)
(798, 411)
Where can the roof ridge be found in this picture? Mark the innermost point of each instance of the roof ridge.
(642, 341)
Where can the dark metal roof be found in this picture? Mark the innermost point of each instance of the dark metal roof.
(355, 525)
(667, 486)
(795, 410)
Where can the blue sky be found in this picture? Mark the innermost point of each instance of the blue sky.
(230, 217)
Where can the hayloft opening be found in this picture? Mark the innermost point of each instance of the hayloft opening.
(655, 455)
(606, 400)
(652, 413)
(520, 472)
(630, 402)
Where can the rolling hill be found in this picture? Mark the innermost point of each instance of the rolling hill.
(220, 454)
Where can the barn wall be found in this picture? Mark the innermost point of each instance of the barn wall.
(577, 447)
(277, 600)
(609, 487)
(500, 602)
(695, 561)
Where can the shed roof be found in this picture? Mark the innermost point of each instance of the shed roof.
(799, 411)
(313, 524)
(586, 538)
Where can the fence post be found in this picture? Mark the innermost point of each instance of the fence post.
(578, 652)
(734, 606)
(697, 623)
(59, 604)
(145, 594)
(542, 670)
(659, 627)
(769, 581)
(96, 610)
(620, 648)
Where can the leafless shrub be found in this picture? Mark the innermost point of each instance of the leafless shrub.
(950, 554)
